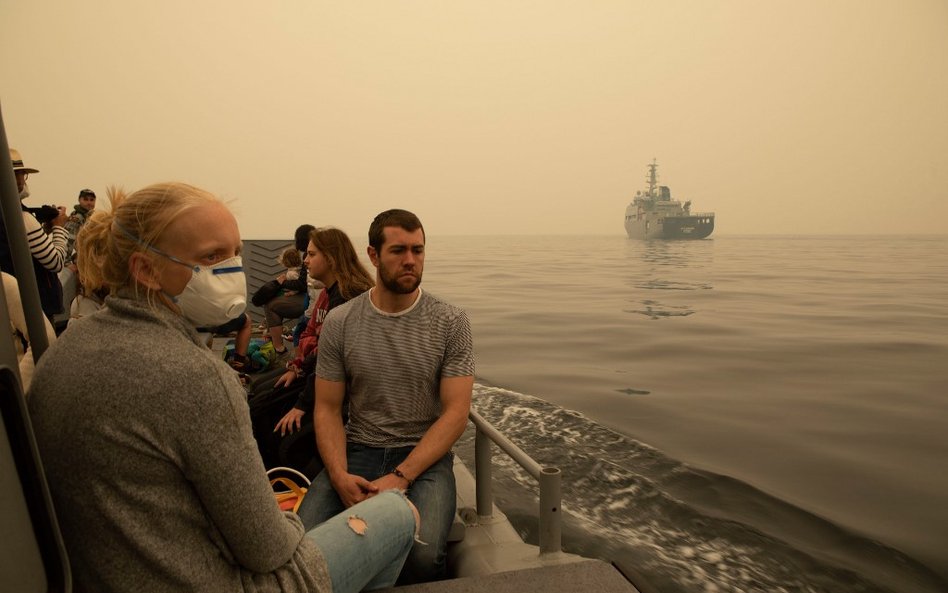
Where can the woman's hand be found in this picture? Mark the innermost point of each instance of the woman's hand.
(285, 379)
(292, 418)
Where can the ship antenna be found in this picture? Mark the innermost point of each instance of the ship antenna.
(652, 177)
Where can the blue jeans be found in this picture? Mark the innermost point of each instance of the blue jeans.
(433, 492)
(298, 329)
(365, 548)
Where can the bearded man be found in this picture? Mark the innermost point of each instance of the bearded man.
(404, 361)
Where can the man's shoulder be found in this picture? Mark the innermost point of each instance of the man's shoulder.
(439, 306)
(353, 306)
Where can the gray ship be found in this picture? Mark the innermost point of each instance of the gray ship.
(654, 215)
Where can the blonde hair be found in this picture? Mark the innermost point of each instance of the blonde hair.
(290, 258)
(135, 222)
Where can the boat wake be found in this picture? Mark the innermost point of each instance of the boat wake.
(673, 527)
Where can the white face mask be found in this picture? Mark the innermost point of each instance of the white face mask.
(215, 294)
(25, 192)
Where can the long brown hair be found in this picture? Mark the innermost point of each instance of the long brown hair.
(351, 275)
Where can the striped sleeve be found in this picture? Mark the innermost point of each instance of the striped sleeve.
(459, 349)
(48, 250)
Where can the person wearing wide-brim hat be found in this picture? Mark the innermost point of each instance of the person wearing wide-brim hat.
(18, 162)
(48, 250)
(22, 172)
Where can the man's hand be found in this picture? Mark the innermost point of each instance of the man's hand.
(387, 482)
(292, 419)
(353, 489)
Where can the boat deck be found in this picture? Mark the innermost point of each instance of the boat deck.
(586, 575)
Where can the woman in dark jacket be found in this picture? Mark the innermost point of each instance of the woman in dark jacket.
(332, 260)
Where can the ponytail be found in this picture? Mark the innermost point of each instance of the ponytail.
(137, 220)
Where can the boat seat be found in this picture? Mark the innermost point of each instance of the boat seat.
(32, 554)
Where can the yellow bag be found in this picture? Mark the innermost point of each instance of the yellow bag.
(290, 498)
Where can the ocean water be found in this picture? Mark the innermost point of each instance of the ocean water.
(740, 413)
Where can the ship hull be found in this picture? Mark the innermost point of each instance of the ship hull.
(670, 227)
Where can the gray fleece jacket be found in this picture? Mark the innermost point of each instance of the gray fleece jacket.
(156, 479)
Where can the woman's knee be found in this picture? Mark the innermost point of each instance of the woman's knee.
(400, 494)
(395, 503)
(414, 511)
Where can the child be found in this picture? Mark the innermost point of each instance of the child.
(290, 259)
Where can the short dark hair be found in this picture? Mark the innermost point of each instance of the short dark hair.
(86, 192)
(301, 236)
(395, 217)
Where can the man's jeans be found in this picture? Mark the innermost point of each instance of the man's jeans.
(433, 493)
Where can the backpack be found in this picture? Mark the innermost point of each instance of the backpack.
(261, 354)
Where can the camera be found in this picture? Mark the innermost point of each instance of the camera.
(44, 214)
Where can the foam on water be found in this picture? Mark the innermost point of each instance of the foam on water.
(681, 529)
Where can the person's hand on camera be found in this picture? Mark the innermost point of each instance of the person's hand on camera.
(60, 219)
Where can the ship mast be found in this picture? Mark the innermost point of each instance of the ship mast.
(652, 178)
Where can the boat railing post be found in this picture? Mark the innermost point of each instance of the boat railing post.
(482, 474)
(549, 479)
(550, 516)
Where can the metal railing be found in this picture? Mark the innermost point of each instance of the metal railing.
(548, 477)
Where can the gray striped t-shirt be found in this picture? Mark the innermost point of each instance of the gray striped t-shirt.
(392, 365)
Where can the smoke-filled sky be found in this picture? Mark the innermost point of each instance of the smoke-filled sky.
(492, 117)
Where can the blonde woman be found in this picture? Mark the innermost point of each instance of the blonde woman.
(145, 434)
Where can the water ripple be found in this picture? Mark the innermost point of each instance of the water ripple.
(681, 528)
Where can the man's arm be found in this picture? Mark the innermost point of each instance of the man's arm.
(331, 441)
(455, 395)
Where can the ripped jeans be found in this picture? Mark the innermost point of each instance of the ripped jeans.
(434, 493)
(366, 546)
